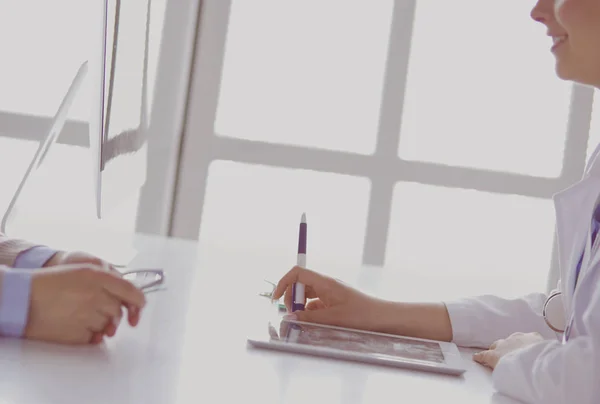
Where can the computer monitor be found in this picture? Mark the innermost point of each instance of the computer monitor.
(119, 118)
(118, 124)
(120, 105)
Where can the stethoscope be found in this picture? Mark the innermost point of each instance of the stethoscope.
(554, 303)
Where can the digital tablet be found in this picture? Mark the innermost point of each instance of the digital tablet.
(361, 346)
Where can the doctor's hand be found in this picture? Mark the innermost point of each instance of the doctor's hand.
(72, 303)
(502, 347)
(329, 301)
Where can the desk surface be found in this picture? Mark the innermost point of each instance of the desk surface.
(190, 346)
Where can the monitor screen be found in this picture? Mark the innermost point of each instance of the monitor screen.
(123, 152)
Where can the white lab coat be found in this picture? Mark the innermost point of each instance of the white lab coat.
(547, 372)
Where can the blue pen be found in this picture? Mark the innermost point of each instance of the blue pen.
(298, 288)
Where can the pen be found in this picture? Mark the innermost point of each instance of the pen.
(298, 288)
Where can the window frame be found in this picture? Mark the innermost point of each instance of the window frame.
(201, 145)
(166, 118)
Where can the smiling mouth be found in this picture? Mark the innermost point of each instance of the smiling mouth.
(558, 40)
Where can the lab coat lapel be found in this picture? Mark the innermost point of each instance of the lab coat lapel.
(574, 207)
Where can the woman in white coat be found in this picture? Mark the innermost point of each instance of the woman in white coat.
(532, 362)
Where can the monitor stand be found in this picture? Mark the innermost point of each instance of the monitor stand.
(40, 224)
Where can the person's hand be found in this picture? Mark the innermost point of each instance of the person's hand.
(331, 301)
(81, 257)
(73, 303)
(502, 347)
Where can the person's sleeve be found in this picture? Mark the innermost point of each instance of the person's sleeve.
(479, 321)
(10, 248)
(15, 290)
(15, 283)
(34, 257)
(552, 373)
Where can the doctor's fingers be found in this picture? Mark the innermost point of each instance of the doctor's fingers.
(316, 304)
(309, 293)
(487, 358)
(309, 278)
(495, 344)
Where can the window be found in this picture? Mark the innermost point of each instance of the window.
(440, 232)
(33, 83)
(48, 47)
(264, 204)
(495, 98)
(319, 87)
(447, 132)
(34, 86)
(10, 150)
(50, 41)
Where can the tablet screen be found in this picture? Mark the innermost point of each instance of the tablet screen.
(359, 342)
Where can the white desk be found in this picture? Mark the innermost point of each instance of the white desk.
(174, 357)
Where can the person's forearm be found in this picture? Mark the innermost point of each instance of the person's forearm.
(419, 320)
(469, 322)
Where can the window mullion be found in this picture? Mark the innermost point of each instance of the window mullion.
(198, 133)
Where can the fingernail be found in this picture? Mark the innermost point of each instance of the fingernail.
(291, 317)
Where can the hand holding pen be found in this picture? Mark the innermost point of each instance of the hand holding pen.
(330, 301)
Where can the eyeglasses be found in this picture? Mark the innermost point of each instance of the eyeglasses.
(269, 295)
(148, 280)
